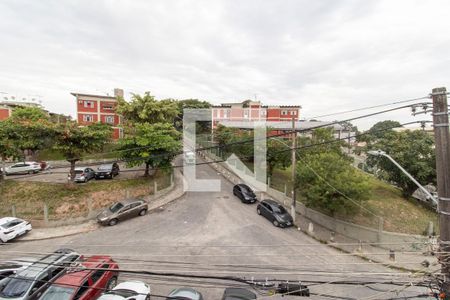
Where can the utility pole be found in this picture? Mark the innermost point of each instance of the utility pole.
(442, 142)
(293, 160)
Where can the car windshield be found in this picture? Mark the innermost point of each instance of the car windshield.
(16, 287)
(58, 293)
(247, 190)
(116, 207)
(105, 168)
(279, 209)
(78, 171)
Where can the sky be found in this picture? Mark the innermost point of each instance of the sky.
(327, 56)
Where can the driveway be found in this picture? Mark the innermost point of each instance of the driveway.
(214, 233)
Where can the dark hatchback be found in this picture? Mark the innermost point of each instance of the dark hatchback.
(107, 171)
(275, 213)
(245, 193)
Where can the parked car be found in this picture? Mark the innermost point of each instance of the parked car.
(26, 167)
(83, 174)
(83, 282)
(189, 158)
(11, 227)
(136, 290)
(12, 267)
(107, 171)
(275, 213)
(238, 294)
(245, 193)
(185, 293)
(31, 283)
(122, 210)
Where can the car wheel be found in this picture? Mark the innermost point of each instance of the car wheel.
(111, 284)
(275, 223)
(113, 222)
(143, 212)
(258, 211)
(30, 172)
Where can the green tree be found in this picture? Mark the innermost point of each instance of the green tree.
(278, 155)
(201, 126)
(325, 177)
(74, 141)
(155, 145)
(380, 130)
(413, 150)
(30, 129)
(146, 109)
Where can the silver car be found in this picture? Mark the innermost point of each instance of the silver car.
(122, 210)
(26, 167)
(83, 174)
(32, 282)
(185, 293)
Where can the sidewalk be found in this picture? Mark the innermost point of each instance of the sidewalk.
(413, 261)
(155, 202)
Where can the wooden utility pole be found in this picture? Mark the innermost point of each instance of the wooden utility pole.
(442, 142)
(294, 164)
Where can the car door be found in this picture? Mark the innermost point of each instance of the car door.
(82, 292)
(267, 211)
(39, 287)
(125, 212)
(16, 168)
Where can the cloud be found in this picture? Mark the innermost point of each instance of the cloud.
(327, 56)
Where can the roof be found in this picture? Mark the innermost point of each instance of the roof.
(95, 96)
(38, 267)
(239, 293)
(77, 277)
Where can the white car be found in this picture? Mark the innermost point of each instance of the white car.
(26, 167)
(12, 267)
(189, 158)
(136, 290)
(10, 228)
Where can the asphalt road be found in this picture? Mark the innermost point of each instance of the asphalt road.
(215, 234)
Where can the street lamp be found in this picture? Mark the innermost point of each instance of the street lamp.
(382, 153)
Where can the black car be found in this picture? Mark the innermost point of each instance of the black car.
(275, 213)
(107, 171)
(245, 193)
(238, 294)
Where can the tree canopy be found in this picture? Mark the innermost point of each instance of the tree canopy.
(153, 144)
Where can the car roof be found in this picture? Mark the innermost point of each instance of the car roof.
(106, 165)
(41, 265)
(7, 220)
(184, 292)
(271, 202)
(129, 201)
(239, 293)
(243, 185)
(77, 276)
(133, 285)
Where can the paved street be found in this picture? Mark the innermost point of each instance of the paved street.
(215, 234)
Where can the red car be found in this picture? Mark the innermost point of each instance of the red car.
(80, 283)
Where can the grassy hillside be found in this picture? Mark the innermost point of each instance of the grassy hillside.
(400, 214)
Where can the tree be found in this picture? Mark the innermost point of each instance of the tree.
(146, 109)
(201, 126)
(413, 150)
(381, 129)
(74, 141)
(324, 179)
(278, 155)
(30, 129)
(153, 144)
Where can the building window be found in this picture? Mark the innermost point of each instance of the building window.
(284, 112)
(109, 119)
(226, 113)
(88, 104)
(246, 113)
(293, 112)
(263, 113)
(107, 107)
(88, 118)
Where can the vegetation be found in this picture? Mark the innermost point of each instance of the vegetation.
(153, 144)
(413, 150)
(74, 141)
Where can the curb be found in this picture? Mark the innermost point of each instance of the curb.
(57, 236)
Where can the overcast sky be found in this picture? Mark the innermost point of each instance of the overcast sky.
(327, 56)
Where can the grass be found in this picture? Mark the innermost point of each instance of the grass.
(399, 214)
(66, 201)
(109, 152)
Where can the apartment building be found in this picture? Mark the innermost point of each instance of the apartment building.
(99, 108)
(7, 107)
(253, 111)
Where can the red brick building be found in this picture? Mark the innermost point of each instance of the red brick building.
(7, 107)
(5, 112)
(253, 111)
(98, 108)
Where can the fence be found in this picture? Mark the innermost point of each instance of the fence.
(74, 211)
